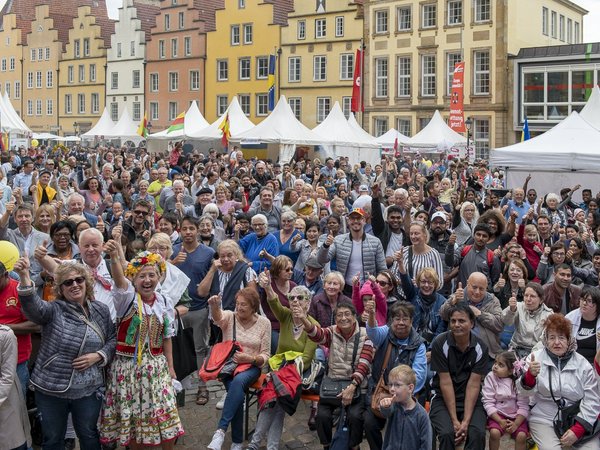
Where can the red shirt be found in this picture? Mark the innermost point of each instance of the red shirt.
(11, 312)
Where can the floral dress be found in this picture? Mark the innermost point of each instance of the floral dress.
(140, 402)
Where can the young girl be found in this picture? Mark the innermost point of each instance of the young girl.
(529, 239)
(507, 410)
(446, 190)
(370, 291)
(308, 206)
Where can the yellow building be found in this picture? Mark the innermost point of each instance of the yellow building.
(82, 74)
(11, 55)
(412, 48)
(318, 57)
(246, 33)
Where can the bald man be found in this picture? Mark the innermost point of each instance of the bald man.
(485, 306)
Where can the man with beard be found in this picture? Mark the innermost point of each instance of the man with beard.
(249, 191)
(266, 208)
(139, 220)
(439, 237)
(390, 233)
(547, 238)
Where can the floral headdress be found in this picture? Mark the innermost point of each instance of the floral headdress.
(144, 259)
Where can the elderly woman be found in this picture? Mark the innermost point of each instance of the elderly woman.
(557, 373)
(206, 229)
(552, 210)
(464, 220)
(254, 244)
(285, 236)
(324, 303)
(253, 332)
(139, 388)
(78, 340)
(586, 323)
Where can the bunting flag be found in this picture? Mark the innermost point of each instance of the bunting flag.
(525, 135)
(225, 129)
(177, 124)
(456, 121)
(143, 128)
(356, 104)
(271, 81)
(3, 142)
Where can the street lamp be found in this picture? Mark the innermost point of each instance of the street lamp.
(468, 125)
(76, 128)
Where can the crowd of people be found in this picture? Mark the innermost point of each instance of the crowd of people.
(475, 306)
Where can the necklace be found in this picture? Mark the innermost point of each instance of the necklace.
(298, 328)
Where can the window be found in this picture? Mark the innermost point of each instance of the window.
(81, 103)
(30, 107)
(545, 21)
(167, 22)
(38, 79)
(554, 25)
(7, 88)
(153, 110)
(561, 28)
(296, 106)
(381, 21)
(3, 65)
(135, 83)
(404, 14)
(481, 137)
(154, 82)
(222, 70)
(29, 80)
(481, 75)
(181, 20)
(404, 75)
(40, 54)
(86, 47)
(173, 81)
(294, 69)
(301, 29)
(346, 106)
(483, 11)
(132, 48)
(49, 107)
(174, 48)
(119, 52)
(161, 49)
(81, 71)
(96, 104)
(245, 103)
(114, 111)
(244, 69)
(320, 68)
(323, 108)
(172, 110)
(381, 77)
(194, 80)
(429, 15)
(428, 75)
(235, 35)
(221, 104)
(339, 26)
(187, 45)
(248, 33)
(452, 58)
(77, 48)
(380, 126)
(262, 67)
(577, 39)
(346, 66)
(70, 74)
(403, 125)
(49, 79)
(137, 111)
(33, 54)
(241, 4)
(320, 28)
(262, 104)
(47, 53)
(454, 12)
(92, 72)
(569, 31)
(17, 89)
(11, 66)
(114, 80)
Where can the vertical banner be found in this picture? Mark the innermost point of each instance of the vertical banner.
(356, 104)
(457, 116)
(271, 81)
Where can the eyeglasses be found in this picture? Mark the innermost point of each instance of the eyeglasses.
(383, 283)
(259, 224)
(586, 300)
(141, 213)
(62, 235)
(402, 319)
(71, 281)
(344, 314)
(294, 298)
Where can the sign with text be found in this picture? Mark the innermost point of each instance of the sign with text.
(456, 120)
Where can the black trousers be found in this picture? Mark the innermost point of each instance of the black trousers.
(324, 422)
(443, 428)
(373, 427)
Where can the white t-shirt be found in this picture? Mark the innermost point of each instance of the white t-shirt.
(355, 265)
(394, 244)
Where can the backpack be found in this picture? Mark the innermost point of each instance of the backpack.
(490, 254)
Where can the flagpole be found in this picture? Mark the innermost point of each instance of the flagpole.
(362, 78)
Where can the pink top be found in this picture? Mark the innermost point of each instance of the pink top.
(255, 341)
(500, 396)
(380, 302)
(532, 256)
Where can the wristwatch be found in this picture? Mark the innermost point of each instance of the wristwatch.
(354, 383)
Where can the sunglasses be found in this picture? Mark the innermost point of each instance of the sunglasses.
(383, 283)
(140, 213)
(292, 298)
(70, 282)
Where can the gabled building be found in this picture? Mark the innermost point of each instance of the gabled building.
(82, 69)
(126, 57)
(245, 34)
(11, 56)
(318, 57)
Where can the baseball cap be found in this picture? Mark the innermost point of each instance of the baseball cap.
(313, 262)
(439, 215)
(358, 211)
(363, 188)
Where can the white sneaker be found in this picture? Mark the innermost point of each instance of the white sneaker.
(237, 446)
(221, 403)
(217, 440)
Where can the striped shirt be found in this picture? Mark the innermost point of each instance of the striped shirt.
(431, 258)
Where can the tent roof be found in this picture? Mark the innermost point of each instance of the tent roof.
(45, 136)
(356, 127)
(436, 134)
(238, 123)
(337, 129)
(388, 139)
(281, 126)
(10, 116)
(564, 147)
(193, 121)
(103, 127)
(125, 127)
(591, 110)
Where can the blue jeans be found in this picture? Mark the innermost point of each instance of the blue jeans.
(23, 374)
(233, 411)
(54, 412)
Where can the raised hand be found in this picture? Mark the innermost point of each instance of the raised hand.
(329, 240)
(180, 258)
(534, 366)
(111, 247)
(459, 294)
(512, 303)
(264, 279)
(22, 267)
(452, 239)
(41, 251)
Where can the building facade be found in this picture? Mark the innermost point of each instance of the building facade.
(318, 57)
(12, 38)
(413, 46)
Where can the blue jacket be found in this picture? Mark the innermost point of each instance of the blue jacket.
(252, 245)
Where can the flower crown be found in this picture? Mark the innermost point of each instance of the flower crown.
(144, 259)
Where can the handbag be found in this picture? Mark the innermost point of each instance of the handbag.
(219, 362)
(311, 384)
(381, 389)
(332, 388)
(184, 353)
(341, 438)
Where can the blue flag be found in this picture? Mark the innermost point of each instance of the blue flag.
(525, 136)
(271, 81)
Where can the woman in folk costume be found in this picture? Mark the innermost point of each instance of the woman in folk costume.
(140, 406)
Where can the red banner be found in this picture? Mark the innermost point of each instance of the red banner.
(457, 116)
(357, 104)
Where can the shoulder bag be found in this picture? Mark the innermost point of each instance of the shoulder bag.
(219, 363)
(381, 389)
(331, 388)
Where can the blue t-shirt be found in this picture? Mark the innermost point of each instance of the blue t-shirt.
(196, 267)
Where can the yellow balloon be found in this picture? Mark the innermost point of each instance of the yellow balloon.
(9, 254)
(34, 143)
(428, 164)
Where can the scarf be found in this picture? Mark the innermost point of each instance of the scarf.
(49, 192)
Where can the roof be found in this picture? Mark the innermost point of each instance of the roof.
(558, 51)
(146, 13)
(206, 12)
(281, 9)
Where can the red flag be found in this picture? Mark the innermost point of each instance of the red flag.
(225, 129)
(357, 103)
(3, 142)
(396, 143)
(457, 116)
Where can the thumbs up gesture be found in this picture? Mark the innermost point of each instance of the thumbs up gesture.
(459, 295)
(41, 251)
(534, 366)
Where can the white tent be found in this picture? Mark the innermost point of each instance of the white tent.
(193, 122)
(436, 136)
(356, 127)
(591, 110)
(11, 121)
(125, 128)
(389, 139)
(238, 124)
(346, 140)
(103, 127)
(45, 136)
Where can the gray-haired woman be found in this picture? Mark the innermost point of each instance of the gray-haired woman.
(286, 235)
